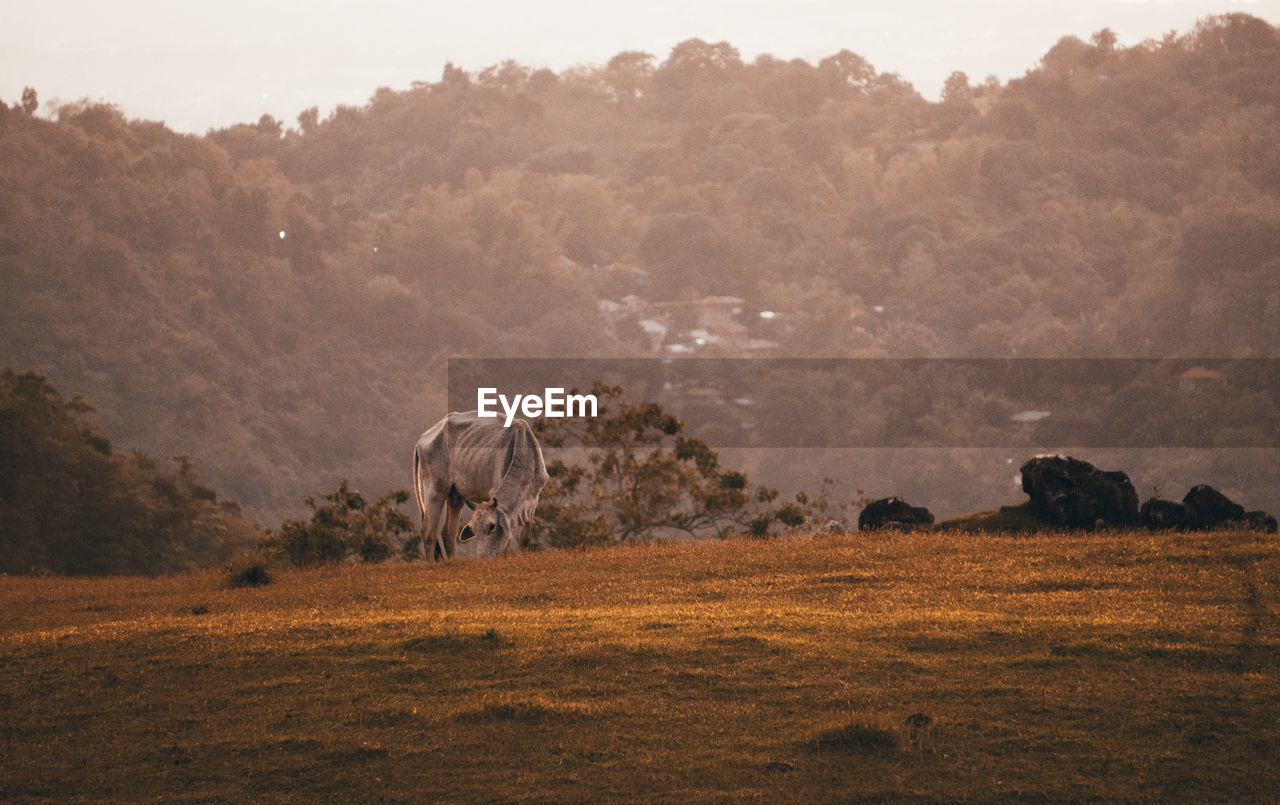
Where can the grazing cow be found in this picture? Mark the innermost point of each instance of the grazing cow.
(499, 471)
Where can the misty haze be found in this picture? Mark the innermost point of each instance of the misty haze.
(219, 349)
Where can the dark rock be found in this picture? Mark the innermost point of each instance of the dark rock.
(1208, 507)
(1260, 521)
(1073, 493)
(1164, 514)
(894, 514)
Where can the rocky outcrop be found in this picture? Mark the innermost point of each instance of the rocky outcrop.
(1068, 492)
(894, 514)
(1203, 508)
(1207, 507)
(1259, 521)
(1160, 515)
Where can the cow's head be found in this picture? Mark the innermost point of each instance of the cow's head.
(491, 524)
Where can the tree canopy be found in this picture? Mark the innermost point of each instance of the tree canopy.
(70, 503)
(278, 300)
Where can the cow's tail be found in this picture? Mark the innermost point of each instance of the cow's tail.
(418, 496)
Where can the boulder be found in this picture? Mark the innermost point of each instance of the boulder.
(1204, 507)
(893, 514)
(1208, 507)
(1260, 521)
(1159, 514)
(833, 527)
(1073, 493)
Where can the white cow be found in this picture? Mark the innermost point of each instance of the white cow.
(498, 470)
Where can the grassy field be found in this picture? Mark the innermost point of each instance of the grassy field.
(1113, 666)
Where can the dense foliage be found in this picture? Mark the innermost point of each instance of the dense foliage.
(69, 503)
(279, 301)
(633, 476)
(347, 526)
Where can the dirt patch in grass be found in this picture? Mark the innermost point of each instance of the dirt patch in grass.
(741, 644)
(845, 579)
(857, 739)
(452, 642)
(1061, 586)
(518, 712)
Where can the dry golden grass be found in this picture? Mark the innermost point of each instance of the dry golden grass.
(1112, 666)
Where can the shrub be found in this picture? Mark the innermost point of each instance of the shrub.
(642, 477)
(249, 569)
(347, 527)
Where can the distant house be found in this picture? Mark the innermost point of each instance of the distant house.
(1025, 421)
(656, 331)
(620, 279)
(634, 304)
(1027, 417)
(1198, 377)
(689, 326)
(708, 313)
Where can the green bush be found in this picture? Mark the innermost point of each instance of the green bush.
(346, 527)
(249, 569)
(643, 478)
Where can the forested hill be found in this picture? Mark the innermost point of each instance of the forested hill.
(278, 300)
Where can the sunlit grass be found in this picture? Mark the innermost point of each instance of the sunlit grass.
(1120, 666)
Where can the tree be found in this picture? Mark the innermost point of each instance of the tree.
(629, 73)
(1232, 36)
(509, 76)
(70, 504)
(700, 79)
(696, 57)
(30, 102)
(309, 120)
(843, 71)
(454, 77)
(957, 104)
(644, 478)
(687, 250)
(1104, 40)
(1068, 57)
(956, 89)
(269, 126)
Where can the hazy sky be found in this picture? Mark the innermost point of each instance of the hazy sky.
(197, 66)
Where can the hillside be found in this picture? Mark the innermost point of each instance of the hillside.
(1120, 666)
(278, 300)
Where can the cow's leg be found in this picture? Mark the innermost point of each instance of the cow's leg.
(452, 511)
(434, 503)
